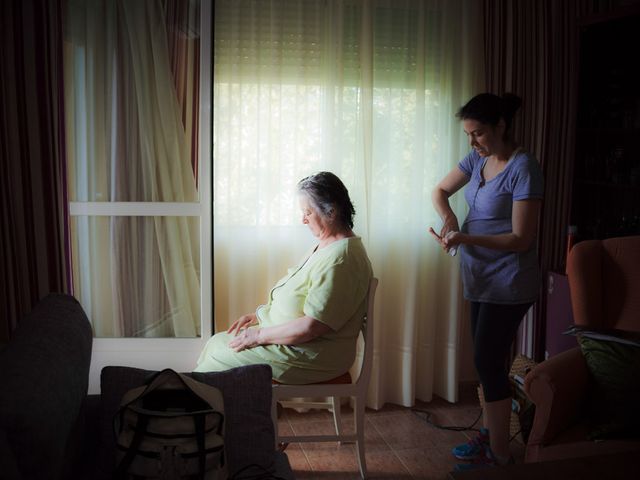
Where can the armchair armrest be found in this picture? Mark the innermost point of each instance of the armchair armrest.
(557, 387)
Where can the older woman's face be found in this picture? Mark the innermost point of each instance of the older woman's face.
(312, 218)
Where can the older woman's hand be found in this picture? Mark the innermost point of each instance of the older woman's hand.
(245, 338)
(243, 322)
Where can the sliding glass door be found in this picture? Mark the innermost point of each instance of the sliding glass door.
(137, 101)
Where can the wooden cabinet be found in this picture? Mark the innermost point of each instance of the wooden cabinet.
(606, 185)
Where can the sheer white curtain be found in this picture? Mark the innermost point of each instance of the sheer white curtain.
(136, 251)
(368, 90)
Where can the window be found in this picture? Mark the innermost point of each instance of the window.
(139, 194)
(367, 90)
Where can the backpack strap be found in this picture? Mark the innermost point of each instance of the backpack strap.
(132, 450)
(198, 421)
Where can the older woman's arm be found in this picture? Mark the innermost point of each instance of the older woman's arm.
(297, 331)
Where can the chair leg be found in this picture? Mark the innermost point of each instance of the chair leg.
(359, 419)
(337, 416)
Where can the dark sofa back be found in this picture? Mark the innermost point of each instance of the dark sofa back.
(44, 375)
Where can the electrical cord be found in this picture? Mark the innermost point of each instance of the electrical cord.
(425, 415)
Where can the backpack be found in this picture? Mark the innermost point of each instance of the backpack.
(171, 428)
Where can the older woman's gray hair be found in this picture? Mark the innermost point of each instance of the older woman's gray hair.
(330, 197)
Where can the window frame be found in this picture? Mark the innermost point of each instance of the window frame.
(177, 353)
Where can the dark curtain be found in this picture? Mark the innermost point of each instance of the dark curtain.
(33, 214)
(183, 37)
(531, 49)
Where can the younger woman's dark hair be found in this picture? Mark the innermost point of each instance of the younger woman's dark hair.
(488, 108)
(329, 195)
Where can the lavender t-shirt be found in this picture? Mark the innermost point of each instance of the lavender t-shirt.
(498, 276)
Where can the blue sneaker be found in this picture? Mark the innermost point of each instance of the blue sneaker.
(474, 448)
(484, 460)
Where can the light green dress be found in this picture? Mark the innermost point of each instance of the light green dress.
(331, 286)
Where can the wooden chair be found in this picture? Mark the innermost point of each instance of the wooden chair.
(337, 388)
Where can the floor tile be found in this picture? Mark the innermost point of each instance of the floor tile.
(298, 460)
(427, 463)
(399, 443)
(385, 465)
(404, 430)
(342, 463)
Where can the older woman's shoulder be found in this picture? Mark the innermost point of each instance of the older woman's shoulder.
(357, 251)
(345, 250)
(354, 244)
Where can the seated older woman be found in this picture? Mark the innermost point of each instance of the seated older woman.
(308, 329)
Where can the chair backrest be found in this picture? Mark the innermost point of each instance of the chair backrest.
(604, 277)
(367, 335)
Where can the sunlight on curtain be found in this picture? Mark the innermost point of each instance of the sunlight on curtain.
(369, 91)
(131, 113)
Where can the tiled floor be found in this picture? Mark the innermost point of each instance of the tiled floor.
(399, 443)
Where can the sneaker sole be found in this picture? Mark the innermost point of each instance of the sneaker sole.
(466, 457)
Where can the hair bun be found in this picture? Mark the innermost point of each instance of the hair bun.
(510, 104)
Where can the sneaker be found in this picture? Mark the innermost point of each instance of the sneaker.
(474, 448)
(485, 459)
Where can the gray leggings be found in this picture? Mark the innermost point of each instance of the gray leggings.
(493, 329)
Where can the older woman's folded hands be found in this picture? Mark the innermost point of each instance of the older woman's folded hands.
(245, 338)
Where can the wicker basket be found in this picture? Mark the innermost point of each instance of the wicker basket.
(520, 366)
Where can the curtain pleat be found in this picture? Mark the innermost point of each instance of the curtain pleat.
(531, 49)
(184, 56)
(33, 215)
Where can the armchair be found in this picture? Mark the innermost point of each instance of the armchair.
(604, 279)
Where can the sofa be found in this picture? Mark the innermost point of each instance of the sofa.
(51, 429)
(586, 397)
(44, 374)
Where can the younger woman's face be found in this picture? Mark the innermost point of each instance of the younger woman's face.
(484, 139)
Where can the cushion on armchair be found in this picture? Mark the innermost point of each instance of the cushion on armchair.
(615, 370)
(249, 434)
(44, 375)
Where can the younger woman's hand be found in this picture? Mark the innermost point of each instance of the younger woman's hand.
(452, 239)
(450, 225)
(448, 241)
(437, 237)
(243, 322)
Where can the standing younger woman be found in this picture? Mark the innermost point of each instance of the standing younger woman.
(504, 188)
